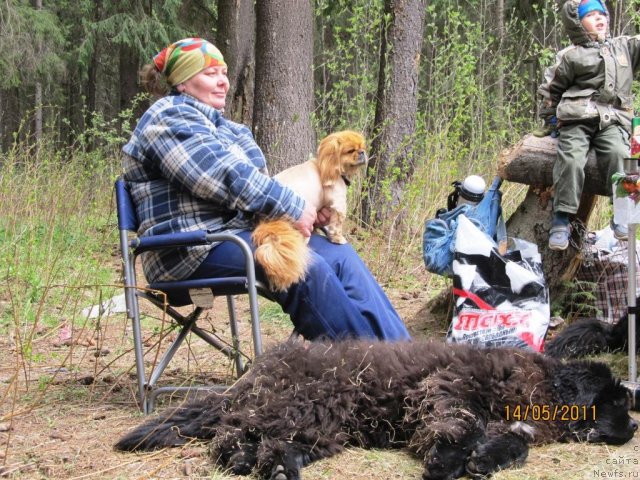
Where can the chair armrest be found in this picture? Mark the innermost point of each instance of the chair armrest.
(181, 239)
(199, 237)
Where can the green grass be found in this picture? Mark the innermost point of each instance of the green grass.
(57, 234)
(271, 314)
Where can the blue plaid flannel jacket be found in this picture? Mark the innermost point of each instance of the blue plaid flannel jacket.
(189, 169)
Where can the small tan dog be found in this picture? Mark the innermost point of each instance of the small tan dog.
(281, 249)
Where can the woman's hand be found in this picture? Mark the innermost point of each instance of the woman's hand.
(305, 223)
(323, 217)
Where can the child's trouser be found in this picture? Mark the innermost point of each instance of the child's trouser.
(339, 298)
(611, 146)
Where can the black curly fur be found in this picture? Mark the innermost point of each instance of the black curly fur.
(452, 405)
(590, 337)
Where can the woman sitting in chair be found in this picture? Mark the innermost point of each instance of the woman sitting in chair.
(189, 168)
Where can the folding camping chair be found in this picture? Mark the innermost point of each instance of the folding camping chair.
(167, 295)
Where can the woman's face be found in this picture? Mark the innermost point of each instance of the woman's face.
(210, 86)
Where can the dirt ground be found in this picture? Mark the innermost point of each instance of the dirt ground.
(61, 413)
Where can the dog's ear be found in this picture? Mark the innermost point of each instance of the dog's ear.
(580, 381)
(328, 160)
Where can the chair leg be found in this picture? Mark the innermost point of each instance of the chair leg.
(235, 337)
(255, 316)
(181, 320)
(187, 325)
(148, 390)
(133, 312)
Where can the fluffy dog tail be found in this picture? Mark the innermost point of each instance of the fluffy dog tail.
(282, 252)
(173, 428)
(589, 337)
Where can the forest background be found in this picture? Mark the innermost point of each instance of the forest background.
(439, 88)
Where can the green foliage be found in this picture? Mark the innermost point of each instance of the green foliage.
(636, 92)
(462, 125)
(55, 238)
(31, 44)
(462, 62)
(109, 134)
(145, 32)
(576, 299)
(346, 65)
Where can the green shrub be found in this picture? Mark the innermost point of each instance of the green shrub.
(57, 234)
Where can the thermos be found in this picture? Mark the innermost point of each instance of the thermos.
(468, 192)
(471, 190)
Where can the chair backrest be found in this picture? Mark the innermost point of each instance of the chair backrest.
(127, 218)
(127, 222)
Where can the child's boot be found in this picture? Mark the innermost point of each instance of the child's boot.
(620, 231)
(560, 231)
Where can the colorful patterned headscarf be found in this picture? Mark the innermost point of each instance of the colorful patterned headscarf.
(185, 58)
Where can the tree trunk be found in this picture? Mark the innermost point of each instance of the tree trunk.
(531, 221)
(92, 90)
(396, 107)
(128, 71)
(499, 105)
(531, 162)
(284, 75)
(37, 100)
(92, 70)
(236, 39)
(2, 120)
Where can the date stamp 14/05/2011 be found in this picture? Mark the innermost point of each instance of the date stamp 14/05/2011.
(549, 413)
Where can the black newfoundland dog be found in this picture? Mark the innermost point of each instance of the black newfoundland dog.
(460, 409)
(590, 336)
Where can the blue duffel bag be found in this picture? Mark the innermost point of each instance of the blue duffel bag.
(439, 233)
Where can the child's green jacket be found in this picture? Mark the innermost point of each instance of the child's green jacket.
(591, 79)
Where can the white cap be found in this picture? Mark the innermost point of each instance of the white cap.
(471, 190)
(474, 184)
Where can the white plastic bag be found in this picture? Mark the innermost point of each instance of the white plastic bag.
(501, 300)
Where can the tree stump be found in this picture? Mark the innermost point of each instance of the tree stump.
(530, 162)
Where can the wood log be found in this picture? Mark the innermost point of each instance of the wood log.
(531, 221)
(531, 162)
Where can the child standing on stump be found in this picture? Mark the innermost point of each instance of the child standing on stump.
(588, 90)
